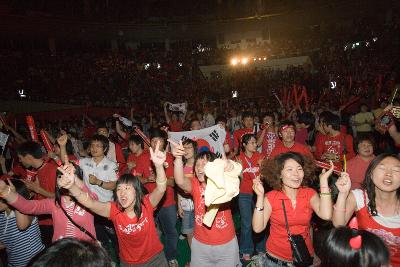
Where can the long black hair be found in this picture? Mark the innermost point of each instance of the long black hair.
(337, 252)
(208, 155)
(139, 191)
(368, 184)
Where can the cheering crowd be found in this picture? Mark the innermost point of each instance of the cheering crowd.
(301, 168)
(109, 181)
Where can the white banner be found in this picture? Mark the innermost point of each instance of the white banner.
(181, 107)
(3, 140)
(212, 138)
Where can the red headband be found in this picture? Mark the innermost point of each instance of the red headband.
(286, 126)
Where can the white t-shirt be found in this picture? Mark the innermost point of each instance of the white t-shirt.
(106, 171)
(389, 222)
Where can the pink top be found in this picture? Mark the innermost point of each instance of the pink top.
(62, 226)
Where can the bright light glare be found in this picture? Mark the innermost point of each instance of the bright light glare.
(245, 60)
(234, 61)
(265, 58)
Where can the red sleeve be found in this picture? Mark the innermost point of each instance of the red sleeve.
(169, 172)
(34, 207)
(119, 154)
(113, 210)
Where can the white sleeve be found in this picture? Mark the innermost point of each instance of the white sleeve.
(112, 172)
(359, 196)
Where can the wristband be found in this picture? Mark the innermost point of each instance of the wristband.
(161, 182)
(324, 194)
(259, 209)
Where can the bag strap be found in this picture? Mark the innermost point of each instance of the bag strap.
(286, 220)
(77, 225)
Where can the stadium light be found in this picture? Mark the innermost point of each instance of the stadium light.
(234, 61)
(244, 61)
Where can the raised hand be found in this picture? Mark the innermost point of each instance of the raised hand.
(157, 156)
(325, 174)
(3, 187)
(177, 150)
(343, 184)
(258, 186)
(67, 179)
(62, 140)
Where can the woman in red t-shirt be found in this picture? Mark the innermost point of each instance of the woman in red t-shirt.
(289, 174)
(250, 159)
(132, 213)
(211, 246)
(377, 204)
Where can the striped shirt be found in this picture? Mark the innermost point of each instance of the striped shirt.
(21, 246)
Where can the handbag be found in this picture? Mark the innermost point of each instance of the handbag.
(300, 253)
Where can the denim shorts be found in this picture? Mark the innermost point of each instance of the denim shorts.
(187, 222)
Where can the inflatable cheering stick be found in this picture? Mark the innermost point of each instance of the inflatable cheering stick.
(32, 129)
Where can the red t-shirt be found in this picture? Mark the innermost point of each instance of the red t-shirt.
(356, 168)
(331, 148)
(269, 142)
(297, 147)
(47, 179)
(145, 168)
(137, 238)
(298, 218)
(222, 230)
(301, 136)
(175, 126)
(238, 134)
(251, 169)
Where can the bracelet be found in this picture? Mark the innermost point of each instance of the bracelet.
(324, 194)
(161, 182)
(338, 209)
(87, 197)
(259, 209)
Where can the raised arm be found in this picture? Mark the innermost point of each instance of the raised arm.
(167, 118)
(345, 204)
(262, 209)
(67, 181)
(18, 137)
(62, 142)
(178, 151)
(158, 157)
(322, 203)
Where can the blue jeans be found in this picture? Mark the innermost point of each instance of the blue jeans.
(167, 220)
(246, 208)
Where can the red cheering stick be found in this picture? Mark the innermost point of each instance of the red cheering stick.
(142, 135)
(46, 142)
(327, 166)
(32, 128)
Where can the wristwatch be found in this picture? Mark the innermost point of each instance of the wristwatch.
(101, 183)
